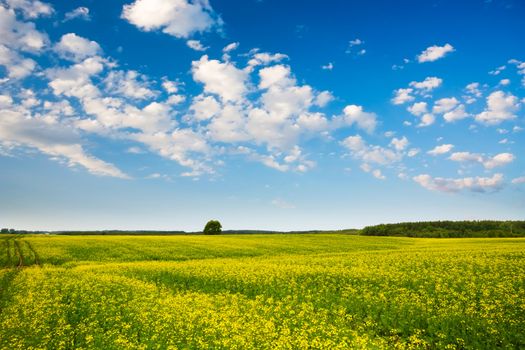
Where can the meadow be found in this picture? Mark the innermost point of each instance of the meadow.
(311, 291)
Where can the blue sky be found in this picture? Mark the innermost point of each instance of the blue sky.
(154, 114)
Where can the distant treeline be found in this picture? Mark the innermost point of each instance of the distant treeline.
(449, 229)
(166, 233)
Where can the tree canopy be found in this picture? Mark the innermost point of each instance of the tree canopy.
(213, 227)
(436, 229)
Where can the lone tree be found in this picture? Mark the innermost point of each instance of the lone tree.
(213, 227)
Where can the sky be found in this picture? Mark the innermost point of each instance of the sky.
(163, 114)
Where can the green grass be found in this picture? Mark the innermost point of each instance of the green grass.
(261, 291)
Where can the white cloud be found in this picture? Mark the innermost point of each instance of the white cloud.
(229, 125)
(20, 35)
(445, 105)
(402, 96)
(31, 8)
(354, 43)
(80, 13)
(171, 87)
(5, 101)
(18, 38)
(429, 84)
(230, 47)
(178, 145)
(312, 121)
(413, 152)
(205, 107)
(179, 18)
(473, 89)
(75, 81)
(359, 149)
(487, 162)
(278, 75)
(378, 174)
(53, 139)
(498, 160)
(504, 82)
(323, 98)
(475, 184)
(265, 58)
(518, 180)
(498, 70)
(434, 53)
(399, 144)
(418, 108)
(223, 79)
(196, 45)
(283, 103)
(74, 47)
(17, 67)
(500, 107)
(129, 84)
(354, 114)
(328, 66)
(456, 114)
(426, 120)
(441, 149)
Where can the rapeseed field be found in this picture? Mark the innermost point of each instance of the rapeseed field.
(323, 291)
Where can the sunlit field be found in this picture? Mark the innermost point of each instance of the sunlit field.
(261, 292)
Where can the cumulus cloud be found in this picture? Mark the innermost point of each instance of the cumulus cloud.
(264, 58)
(474, 184)
(500, 107)
(220, 78)
(313, 121)
(434, 53)
(399, 144)
(429, 84)
(31, 8)
(59, 142)
(378, 174)
(473, 92)
(354, 114)
(129, 84)
(179, 18)
(323, 98)
(426, 120)
(518, 180)
(441, 149)
(76, 48)
(445, 105)
(18, 38)
(402, 96)
(456, 114)
(278, 75)
(498, 160)
(373, 156)
(359, 149)
(80, 13)
(205, 107)
(196, 45)
(418, 109)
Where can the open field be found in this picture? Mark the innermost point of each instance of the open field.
(261, 291)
